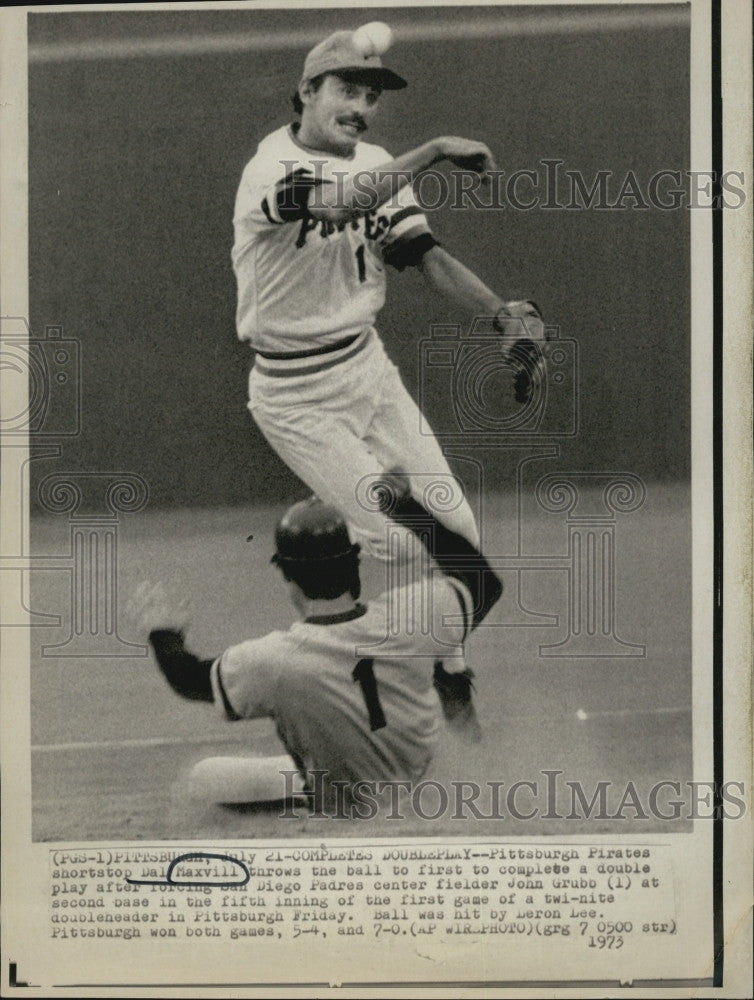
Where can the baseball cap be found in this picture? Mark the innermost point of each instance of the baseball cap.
(339, 53)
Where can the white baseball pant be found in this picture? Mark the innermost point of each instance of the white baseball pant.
(337, 428)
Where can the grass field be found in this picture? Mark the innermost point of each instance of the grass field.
(111, 744)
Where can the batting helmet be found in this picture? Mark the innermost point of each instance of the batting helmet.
(314, 550)
(311, 531)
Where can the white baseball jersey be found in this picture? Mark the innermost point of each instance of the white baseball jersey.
(352, 694)
(304, 283)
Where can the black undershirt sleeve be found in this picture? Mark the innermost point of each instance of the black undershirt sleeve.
(185, 673)
(454, 554)
(408, 252)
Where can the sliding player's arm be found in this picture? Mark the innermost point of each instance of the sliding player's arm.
(164, 621)
(187, 675)
(165, 624)
(239, 681)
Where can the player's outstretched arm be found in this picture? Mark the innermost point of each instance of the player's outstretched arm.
(453, 553)
(165, 625)
(455, 282)
(187, 675)
(368, 189)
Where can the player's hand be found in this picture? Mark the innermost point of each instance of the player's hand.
(466, 153)
(150, 610)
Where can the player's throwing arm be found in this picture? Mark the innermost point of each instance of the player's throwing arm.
(321, 214)
(371, 189)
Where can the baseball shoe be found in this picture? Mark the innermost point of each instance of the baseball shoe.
(523, 352)
(455, 691)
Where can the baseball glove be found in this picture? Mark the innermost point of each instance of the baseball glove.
(523, 330)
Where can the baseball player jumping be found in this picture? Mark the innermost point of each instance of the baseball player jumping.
(344, 701)
(319, 215)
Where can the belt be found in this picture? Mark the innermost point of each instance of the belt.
(311, 353)
(359, 340)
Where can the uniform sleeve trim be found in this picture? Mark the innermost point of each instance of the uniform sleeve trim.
(407, 226)
(292, 199)
(294, 175)
(230, 712)
(404, 213)
(464, 599)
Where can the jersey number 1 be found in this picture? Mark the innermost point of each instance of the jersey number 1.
(361, 265)
(363, 672)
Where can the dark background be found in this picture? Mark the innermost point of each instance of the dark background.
(134, 164)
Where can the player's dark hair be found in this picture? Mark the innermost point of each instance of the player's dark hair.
(298, 104)
(353, 76)
(325, 579)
